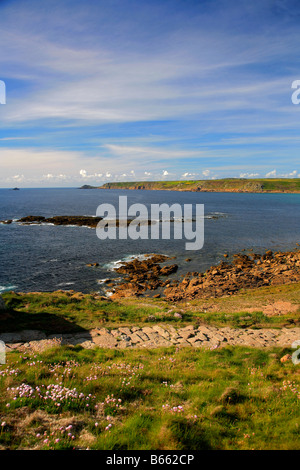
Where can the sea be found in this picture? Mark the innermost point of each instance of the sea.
(49, 258)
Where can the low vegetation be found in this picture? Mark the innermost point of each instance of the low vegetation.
(72, 398)
(175, 398)
(69, 312)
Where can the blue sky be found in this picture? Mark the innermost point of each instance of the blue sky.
(121, 90)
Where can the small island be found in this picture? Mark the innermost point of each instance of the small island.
(88, 186)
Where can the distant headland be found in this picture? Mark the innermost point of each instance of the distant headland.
(233, 185)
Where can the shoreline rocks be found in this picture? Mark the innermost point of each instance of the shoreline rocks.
(226, 278)
(142, 275)
(244, 272)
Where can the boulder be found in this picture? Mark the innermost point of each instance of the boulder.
(286, 358)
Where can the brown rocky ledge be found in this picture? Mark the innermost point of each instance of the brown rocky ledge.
(245, 271)
(143, 275)
(156, 336)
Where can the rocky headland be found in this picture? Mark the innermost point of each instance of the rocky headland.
(233, 185)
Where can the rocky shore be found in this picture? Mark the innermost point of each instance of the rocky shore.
(226, 278)
(140, 277)
(143, 275)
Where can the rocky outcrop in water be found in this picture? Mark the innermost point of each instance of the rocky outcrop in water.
(143, 275)
(61, 220)
(79, 220)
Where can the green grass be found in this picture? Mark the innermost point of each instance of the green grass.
(231, 398)
(63, 312)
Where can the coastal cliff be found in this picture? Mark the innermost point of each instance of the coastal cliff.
(239, 185)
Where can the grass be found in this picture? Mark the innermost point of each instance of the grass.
(167, 399)
(232, 398)
(66, 312)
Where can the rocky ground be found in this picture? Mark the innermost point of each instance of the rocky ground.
(155, 337)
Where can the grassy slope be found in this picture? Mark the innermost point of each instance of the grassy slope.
(220, 185)
(231, 398)
(62, 312)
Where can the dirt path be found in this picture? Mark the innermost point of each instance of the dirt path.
(155, 337)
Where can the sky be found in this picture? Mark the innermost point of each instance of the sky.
(147, 90)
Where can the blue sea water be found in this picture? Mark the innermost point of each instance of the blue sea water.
(47, 258)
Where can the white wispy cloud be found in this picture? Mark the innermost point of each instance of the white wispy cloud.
(196, 92)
